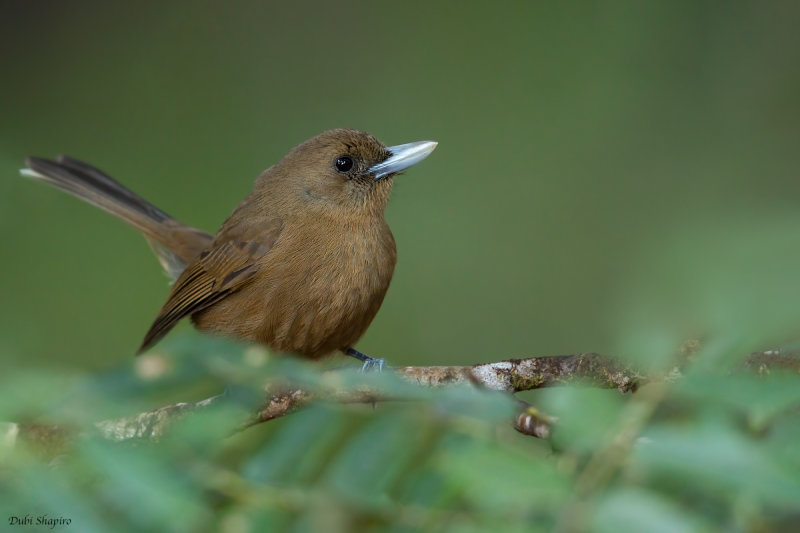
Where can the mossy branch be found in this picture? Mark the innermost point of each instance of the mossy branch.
(509, 376)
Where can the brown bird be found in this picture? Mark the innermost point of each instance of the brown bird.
(301, 265)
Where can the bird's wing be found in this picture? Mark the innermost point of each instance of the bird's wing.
(217, 272)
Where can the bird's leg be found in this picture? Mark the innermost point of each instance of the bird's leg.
(369, 362)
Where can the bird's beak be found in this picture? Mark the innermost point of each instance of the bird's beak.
(403, 156)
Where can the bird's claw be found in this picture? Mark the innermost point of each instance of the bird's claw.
(372, 363)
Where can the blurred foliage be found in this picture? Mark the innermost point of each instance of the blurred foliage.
(710, 452)
(611, 176)
(602, 169)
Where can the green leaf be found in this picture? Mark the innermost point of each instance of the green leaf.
(502, 479)
(634, 510)
(715, 456)
(586, 417)
(300, 449)
(369, 464)
(760, 398)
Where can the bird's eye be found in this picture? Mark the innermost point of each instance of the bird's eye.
(343, 163)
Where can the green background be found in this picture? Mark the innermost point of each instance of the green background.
(605, 170)
(615, 177)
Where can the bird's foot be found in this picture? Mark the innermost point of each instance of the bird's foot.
(370, 363)
(373, 364)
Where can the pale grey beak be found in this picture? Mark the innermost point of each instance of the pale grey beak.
(403, 156)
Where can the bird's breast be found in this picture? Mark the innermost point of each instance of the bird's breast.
(317, 290)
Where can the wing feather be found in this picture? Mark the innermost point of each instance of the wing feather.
(212, 276)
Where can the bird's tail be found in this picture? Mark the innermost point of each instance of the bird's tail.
(174, 243)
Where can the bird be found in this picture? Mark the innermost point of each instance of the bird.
(301, 265)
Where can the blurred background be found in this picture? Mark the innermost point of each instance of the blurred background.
(602, 168)
(616, 177)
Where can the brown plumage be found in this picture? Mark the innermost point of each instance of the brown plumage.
(301, 265)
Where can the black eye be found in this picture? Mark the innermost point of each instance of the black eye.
(343, 163)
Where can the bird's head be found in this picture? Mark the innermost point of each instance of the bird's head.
(344, 171)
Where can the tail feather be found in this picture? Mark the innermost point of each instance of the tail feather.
(174, 243)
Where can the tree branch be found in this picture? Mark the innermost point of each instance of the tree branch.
(510, 376)
(517, 375)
